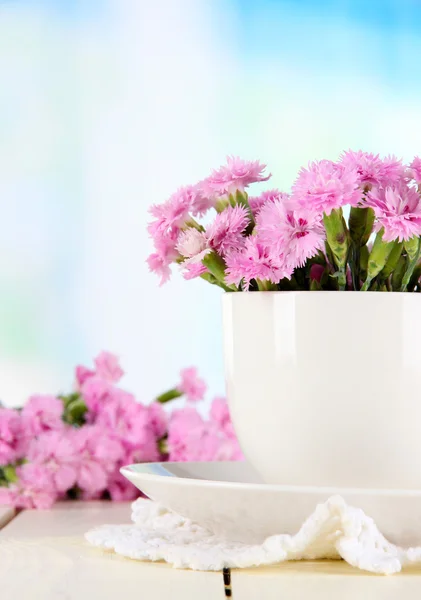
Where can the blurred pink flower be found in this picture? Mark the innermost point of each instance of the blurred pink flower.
(297, 235)
(95, 392)
(255, 261)
(191, 385)
(226, 232)
(191, 438)
(12, 438)
(34, 489)
(54, 451)
(398, 210)
(130, 423)
(82, 374)
(220, 415)
(237, 174)
(122, 490)
(42, 413)
(108, 367)
(325, 186)
(371, 169)
(158, 419)
(98, 454)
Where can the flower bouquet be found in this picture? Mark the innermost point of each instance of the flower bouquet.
(320, 386)
(72, 446)
(353, 224)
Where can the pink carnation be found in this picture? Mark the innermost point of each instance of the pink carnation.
(13, 438)
(171, 215)
(220, 415)
(415, 169)
(158, 419)
(326, 186)
(297, 235)
(108, 367)
(398, 210)
(98, 453)
(371, 169)
(226, 232)
(193, 246)
(54, 452)
(130, 422)
(95, 392)
(191, 438)
(42, 413)
(237, 174)
(34, 489)
(257, 202)
(82, 374)
(255, 261)
(192, 385)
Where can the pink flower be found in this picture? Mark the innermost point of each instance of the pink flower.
(160, 267)
(237, 174)
(108, 367)
(255, 261)
(130, 423)
(183, 427)
(398, 210)
(192, 385)
(42, 413)
(193, 245)
(256, 203)
(158, 419)
(191, 438)
(225, 233)
(54, 451)
(326, 186)
(122, 490)
(220, 415)
(82, 374)
(415, 169)
(297, 235)
(98, 454)
(34, 489)
(95, 392)
(191, 242)
(371, 169)
(199, 203)
(172, 214)
(13, 439)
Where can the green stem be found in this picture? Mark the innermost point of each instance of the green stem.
(377, 259)
(168, 396)
(414, 254)
(337, 237)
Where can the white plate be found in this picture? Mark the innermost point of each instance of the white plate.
(230, 500)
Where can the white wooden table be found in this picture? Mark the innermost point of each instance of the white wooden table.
(43, 556)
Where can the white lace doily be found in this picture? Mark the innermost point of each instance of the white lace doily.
(334, 530)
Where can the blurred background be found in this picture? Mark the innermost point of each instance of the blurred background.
(107, 106)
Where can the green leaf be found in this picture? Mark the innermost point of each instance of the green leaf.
(168, 396)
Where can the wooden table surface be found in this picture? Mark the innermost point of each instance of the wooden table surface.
(43, 556)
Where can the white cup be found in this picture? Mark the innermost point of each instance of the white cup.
(324, 388)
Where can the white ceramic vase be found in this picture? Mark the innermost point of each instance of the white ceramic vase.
(324, 388)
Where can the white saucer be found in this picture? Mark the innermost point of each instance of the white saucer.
(231, 500)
